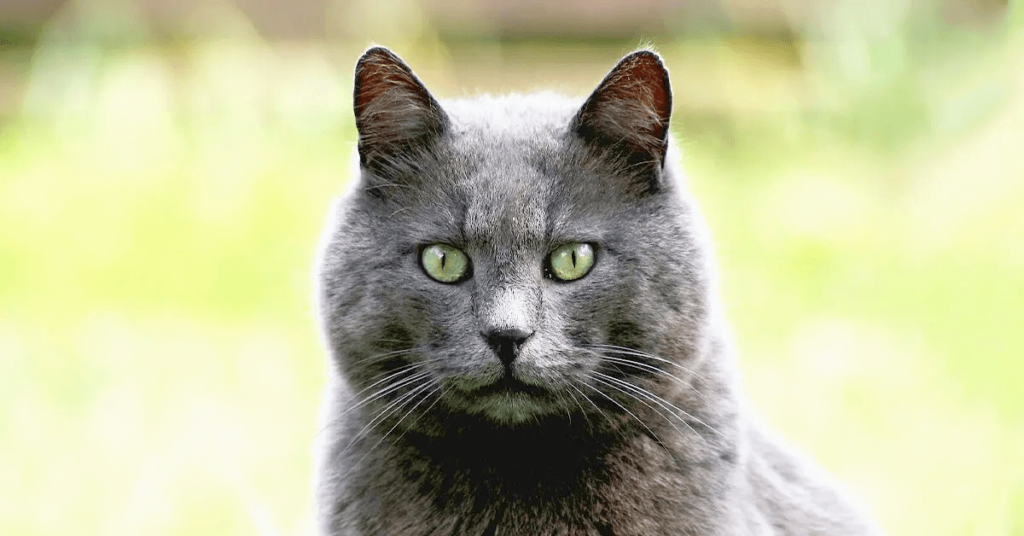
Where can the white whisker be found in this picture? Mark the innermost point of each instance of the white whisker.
(638, 353)
(385, 391)
(621, 350)
(392, 429)
(666, 405)
(623, 408)
(393, 353)
(587, 398)
(384, 413)
(655, 370)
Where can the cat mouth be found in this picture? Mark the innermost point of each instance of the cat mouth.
(510, 400)
(509, 384)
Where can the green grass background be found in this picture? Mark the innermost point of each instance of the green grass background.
(160, 207)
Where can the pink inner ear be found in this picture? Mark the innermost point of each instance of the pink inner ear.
(660, 99)
(370, 86)
(631, 107)
(641, 77)
(392, 107)
(378, 72)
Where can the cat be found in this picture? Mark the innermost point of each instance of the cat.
(518, 299)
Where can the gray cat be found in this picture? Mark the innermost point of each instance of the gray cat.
(519, 302)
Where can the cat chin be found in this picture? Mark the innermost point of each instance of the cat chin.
(507, 401)
(513, 408)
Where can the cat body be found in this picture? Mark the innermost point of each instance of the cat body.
(518, 298)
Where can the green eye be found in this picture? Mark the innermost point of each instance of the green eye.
(444, 263)
(571, 261)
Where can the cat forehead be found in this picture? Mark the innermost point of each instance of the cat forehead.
(507, 138)
(507, 142)
(488, 119)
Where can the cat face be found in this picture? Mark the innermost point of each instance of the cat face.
(511, 259)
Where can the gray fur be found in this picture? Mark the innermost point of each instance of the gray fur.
(628, 420)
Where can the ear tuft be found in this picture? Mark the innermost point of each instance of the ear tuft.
(628, 114)
(394, 111)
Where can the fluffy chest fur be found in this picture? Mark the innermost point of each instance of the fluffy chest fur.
(639, 489)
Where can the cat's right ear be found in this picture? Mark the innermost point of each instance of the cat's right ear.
(395, 114)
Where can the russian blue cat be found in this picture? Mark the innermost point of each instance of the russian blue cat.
(518, 298)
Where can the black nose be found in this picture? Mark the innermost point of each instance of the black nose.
(506, 343)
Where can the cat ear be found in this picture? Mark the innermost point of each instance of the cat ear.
(395, 114)
(628, 114)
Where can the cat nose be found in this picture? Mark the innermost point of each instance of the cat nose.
(506, 343)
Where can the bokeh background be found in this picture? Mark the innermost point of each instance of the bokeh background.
(165, 167)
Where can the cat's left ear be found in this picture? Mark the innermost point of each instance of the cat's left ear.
(627, 115)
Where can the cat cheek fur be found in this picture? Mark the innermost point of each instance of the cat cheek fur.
(617, 410)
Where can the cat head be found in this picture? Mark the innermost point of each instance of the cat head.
(512, 259)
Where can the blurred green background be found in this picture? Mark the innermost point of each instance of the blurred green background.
(165, 167)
